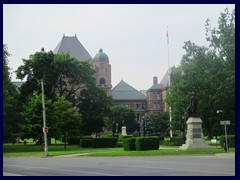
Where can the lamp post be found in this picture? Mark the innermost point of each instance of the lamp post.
(225, 129)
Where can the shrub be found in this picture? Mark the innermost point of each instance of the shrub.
(122, 137)
(161, 138)
(231, 140)
(86, 142)
(106, 136)
(104, 142)
(169, 143)
(147, 143)
(177, 141)
(129, 144)
(119, 144)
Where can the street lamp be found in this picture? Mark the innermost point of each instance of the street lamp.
(225, 129)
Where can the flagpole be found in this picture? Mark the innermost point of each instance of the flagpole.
(169, 82)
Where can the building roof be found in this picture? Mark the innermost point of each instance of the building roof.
(124, 92)
(101, 57)
(162, 85)
(165, 80)
(71, 45)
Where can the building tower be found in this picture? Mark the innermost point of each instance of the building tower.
(103, 71)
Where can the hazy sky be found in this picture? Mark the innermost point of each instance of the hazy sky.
(133, 36)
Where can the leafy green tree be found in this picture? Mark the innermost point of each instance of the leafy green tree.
(62, 75)
(68, 77)
(67, 120)
(11, 117)
(209, 72)
(94, 107)
(123, 116)
(160, 122)
(32, 125)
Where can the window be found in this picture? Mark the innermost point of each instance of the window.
(102, 81)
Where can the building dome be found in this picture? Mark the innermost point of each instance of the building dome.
(101, 57)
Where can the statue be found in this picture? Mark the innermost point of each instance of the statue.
(192, 108)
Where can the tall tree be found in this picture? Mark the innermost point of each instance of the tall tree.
(210, 73)
(10, 102)
(94, 107)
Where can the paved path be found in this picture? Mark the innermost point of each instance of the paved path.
(204, 165)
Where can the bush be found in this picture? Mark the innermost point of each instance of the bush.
(106, 136)
(73, 140)
(169, 143)
(104, 142)
(122, 137)
(177, 141)
(231, 140)
(119, 144)
(129, 144)
(86, 142)
(147, 143)
(161, 138)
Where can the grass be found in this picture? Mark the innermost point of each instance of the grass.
(31, 150)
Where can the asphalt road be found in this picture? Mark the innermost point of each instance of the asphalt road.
(210, 165)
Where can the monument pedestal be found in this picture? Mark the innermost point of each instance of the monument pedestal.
(194, 137)
(124, 130)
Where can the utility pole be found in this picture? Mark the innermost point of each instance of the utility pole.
(45, 129)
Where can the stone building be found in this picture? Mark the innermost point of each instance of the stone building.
(126, 95)
(72, 46)
(151, 101)
(156, 96)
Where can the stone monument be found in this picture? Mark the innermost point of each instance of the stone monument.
(194, 137)
(124, 130)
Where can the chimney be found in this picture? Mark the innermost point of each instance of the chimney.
(155, 80)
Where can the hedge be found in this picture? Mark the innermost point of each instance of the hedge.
(104, 142)
(129, 144)
(122, 137)
(86, 142)
(147, 143)
(231, 140)
(73, 140)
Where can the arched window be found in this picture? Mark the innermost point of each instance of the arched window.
(102, 81)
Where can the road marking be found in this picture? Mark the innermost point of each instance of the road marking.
(173, 169)
(66, 170)
(11, 174)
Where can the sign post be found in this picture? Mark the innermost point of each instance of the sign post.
(226, 122)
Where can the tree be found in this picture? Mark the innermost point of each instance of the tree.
(94, 107)
(123, 116)
(32, 124)
(68, 121)
(160, 122)
(209, 73)
(10, 102)
(68, 77)
(62, 75)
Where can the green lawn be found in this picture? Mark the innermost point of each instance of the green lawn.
(31, 150)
